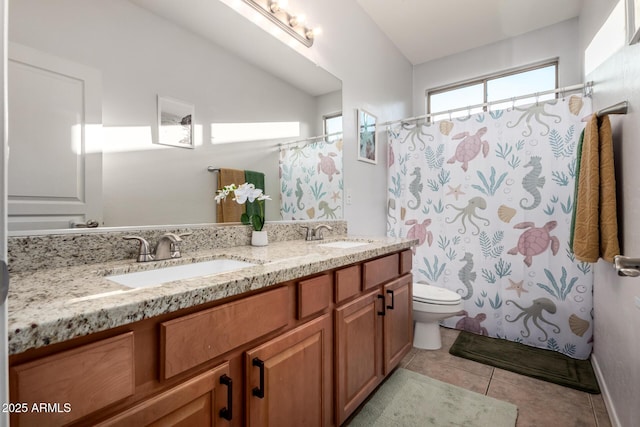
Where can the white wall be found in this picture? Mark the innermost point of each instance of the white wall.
(141, 55)
(375, 76)
(559, 40)
(616, 318)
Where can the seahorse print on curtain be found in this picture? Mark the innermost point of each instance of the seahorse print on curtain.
(311, 181)
(491, 211)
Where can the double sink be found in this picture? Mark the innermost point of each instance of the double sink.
(159, 276)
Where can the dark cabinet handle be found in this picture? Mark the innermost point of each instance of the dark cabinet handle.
(390, 307)
(384, 311)
(259, 391)
(227, 413)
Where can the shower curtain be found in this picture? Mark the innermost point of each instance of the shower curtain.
(489, 198)
(311, 181)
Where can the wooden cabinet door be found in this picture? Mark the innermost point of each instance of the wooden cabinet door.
(358, 352)
(398, 321)
(289, 379)
(199, 402)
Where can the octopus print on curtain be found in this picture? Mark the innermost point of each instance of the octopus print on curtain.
(489, 198)
(311, 181)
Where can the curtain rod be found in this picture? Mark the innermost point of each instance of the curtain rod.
(587, 87)
(312, 138)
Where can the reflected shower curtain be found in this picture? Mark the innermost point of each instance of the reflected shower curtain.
(311, 181)
(489, 198)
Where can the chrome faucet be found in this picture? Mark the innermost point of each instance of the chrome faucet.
(315, 233)
(168, 246)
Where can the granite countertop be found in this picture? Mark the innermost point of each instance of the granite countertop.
(55, 305)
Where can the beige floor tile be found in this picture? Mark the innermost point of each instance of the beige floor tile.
(543, 404)
(448, 336)
(540, 403)
(600, 410)
(557, 393)
(405, 360)
(449, 374)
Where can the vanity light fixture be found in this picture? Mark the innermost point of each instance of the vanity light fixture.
(291, 23)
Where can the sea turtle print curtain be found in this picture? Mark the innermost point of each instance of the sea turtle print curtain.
(489, 198)
(311, 181)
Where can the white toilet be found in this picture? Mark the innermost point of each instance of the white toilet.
(432, 304)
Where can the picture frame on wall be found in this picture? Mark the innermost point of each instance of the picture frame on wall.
(175, 122)
(367, 141)
(633, 20)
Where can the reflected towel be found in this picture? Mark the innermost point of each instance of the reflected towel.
(596, 224)
(229, 210)
(257, 179)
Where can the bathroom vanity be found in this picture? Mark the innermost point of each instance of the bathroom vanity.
(301, 337)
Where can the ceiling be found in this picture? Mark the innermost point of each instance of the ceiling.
(220, 23)
(424, 30)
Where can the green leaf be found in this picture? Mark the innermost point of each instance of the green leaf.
(244, 218)
(258, 223)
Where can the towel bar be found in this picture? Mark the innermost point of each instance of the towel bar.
(626, 266)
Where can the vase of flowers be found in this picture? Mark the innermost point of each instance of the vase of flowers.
(249, 193)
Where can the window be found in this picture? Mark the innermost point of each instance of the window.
(332, 125)
(533, 79)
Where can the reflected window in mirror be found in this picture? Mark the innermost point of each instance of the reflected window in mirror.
(332, 125)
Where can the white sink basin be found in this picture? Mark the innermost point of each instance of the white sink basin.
(343, 244)
(141, 279)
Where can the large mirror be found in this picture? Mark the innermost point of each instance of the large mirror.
(110, 62)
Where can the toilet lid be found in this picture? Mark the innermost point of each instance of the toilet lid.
(434, 294)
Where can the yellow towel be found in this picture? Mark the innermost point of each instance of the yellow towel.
(596, 225)
(228, 210)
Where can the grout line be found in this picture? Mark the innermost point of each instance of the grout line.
(593, 410)
(486, 392)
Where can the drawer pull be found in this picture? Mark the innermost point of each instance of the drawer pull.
(384, 306)
(259, 391)
(390, 307)
(227, 413)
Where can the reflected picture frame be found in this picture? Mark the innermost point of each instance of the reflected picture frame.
(633, 21)
(367, 140)
(175, 122)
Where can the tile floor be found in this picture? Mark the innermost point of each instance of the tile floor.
(539, 403)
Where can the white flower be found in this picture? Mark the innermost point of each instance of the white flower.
(247, 192)
(222, 194)
(243, 193)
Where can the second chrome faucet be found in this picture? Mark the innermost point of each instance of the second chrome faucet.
(315, 233)
(168, 247)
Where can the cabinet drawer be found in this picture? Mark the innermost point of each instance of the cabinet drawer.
(314, 295)
(191, 340)
(348, 282)
(87, 378)
(196, 402)
(380, 270)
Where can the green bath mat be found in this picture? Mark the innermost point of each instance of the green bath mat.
(408, 399)
(534, 362)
